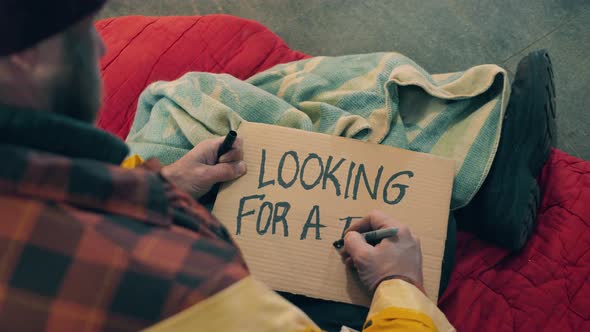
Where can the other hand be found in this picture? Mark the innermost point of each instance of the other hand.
(395, 256)
(198, 170)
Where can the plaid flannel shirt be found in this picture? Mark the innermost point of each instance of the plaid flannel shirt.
(86, 245)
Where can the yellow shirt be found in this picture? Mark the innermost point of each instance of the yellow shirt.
(132, 162)
(250, 306)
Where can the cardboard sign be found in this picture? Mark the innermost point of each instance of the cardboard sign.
(303, 189)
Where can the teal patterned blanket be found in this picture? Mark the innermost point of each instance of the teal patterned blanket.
(383, 98)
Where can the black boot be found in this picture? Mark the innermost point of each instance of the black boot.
(504, 209)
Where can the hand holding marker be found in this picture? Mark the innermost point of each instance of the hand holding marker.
(224, 148)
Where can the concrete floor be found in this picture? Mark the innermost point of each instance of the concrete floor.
(441, 35)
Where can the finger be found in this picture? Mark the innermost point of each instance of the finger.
(376, 220)
(223, 172)
(355, 245)
(343, 254)
(206, 151)
(343, 258)
(349, 263)
(360, 226)
(238, 143)
(235, 154)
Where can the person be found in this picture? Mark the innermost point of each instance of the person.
(89, 245)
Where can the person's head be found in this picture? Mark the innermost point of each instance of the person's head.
(52, 65)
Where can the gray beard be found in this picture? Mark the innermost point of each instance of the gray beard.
(77, 98)
(77, 93)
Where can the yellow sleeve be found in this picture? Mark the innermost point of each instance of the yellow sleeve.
(247, 306)
(400, 306)
(132, 162)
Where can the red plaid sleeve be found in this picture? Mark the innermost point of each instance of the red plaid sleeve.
(86, 246)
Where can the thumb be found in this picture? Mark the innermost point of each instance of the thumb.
(224, 172)
(355, 244)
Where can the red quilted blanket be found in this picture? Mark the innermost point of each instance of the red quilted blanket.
(142, 50)
(542, 288)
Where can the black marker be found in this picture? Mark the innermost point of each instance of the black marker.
(372, 237)
(227, 144)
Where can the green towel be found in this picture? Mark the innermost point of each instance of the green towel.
(383, 98)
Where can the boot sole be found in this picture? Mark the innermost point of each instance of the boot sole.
(542, 58)
(503, 211)
(542, 70)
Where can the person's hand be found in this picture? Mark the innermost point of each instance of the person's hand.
(197, 171)
(395, 256)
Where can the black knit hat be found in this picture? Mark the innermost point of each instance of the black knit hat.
(24, 23)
